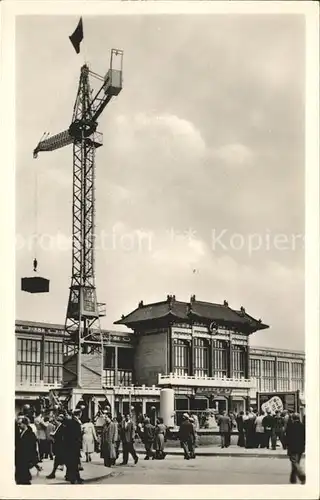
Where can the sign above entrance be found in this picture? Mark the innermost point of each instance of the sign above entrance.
(208, 392)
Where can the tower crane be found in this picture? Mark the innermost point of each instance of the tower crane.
(83, 340)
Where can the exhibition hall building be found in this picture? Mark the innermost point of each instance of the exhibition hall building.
(199, 350)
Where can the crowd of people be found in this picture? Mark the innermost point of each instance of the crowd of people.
(262, 429)
(68, 435)
(255, 429)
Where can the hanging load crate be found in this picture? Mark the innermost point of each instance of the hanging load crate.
(36, 284)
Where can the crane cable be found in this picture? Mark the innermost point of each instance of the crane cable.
(36, 236)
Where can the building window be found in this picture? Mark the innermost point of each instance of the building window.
(297, 376)
(201, 354)
(53, 362)
(283, 376)
(268, 376)
(125, 366)
(109, 378)
(181, 357)
(255, 371)
(125, 377)
(220, 358)
(109, 358)
(238, 361)
(28, 361)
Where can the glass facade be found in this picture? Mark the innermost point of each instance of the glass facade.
(53, 362)
(39, 359)
(181, 357)
(220, 358)
(283, 383)
(201, 357)
(255, 371)
(268, 375)
(28, 367)
(297, 376)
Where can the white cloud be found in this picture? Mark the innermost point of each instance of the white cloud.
(167, 134)
(234, 155)
(179, 253)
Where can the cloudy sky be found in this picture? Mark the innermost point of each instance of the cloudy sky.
(202, 166)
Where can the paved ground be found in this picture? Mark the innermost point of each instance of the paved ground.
(175, 470)
(203, 470)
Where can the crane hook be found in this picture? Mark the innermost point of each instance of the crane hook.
(35, 265)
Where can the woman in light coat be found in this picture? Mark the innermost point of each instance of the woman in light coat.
(160, 432)
(89, 437)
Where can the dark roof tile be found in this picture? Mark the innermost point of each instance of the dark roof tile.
(181, 310)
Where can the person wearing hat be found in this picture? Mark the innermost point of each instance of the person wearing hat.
(26, 455)
(57, 437)
(72, 446)
(295, 440)
(225, 425)
(186, 437)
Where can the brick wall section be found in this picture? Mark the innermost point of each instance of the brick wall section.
(150, 358)
(90, 370)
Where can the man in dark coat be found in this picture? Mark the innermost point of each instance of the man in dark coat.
(269, 430)
(225, 424)
(58, 446)
(250, 430)
(187, 437)
(118, 441)
(295, 441)
(127, 438)
(148, 438)
(278, 428)
(26, 455)
(240, 426)
(72, 446)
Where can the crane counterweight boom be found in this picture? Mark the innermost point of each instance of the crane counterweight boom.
(54, 142)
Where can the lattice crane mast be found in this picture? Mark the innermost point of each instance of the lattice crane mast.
(82, 326)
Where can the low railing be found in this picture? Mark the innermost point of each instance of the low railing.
(194, 381)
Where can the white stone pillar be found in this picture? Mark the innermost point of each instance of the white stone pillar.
(144, 406)
(121, 405)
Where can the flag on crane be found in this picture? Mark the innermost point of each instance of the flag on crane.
(77, 36)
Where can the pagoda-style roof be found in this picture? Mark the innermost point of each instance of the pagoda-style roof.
(192, 311)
